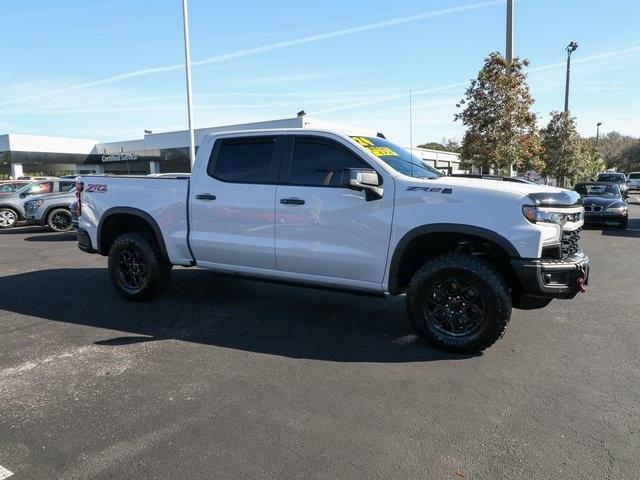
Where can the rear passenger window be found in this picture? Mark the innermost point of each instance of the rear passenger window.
(320, 163)
(66, 186)
(244, 160)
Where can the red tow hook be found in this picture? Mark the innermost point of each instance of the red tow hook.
(580, 285)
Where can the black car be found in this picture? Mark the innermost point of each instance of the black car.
(603, 204)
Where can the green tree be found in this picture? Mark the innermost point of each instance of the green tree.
(501, 129)
(618, 150)
(591, 161)
(564, 150)
(445, 145)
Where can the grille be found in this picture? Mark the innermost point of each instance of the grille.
(592, 208)
(570, 243)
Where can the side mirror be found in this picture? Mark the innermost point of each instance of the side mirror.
(364, 180)
(22, 195)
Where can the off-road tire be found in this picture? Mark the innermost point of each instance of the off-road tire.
(7, 213)
(485, 281)
(148, 259)
(54, 224)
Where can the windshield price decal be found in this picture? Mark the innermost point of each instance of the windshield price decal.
(377, 151)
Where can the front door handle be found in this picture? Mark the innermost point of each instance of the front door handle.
(205, 196)
(292, 201)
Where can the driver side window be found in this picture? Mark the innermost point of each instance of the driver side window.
(320, 163)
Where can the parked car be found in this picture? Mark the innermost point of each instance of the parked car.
(12, 206)
(603, 204)
(10, 186)
(52, 210)
(633, 181)
(619, 179)
(360, 214)
(33, 179)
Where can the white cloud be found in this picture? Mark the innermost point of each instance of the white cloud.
(261, 49)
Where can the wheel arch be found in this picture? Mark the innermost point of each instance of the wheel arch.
(48, 211)
(14, 209)
(118, 220)
(428, 241)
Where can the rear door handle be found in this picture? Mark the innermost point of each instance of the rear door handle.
(292, 201)
(205, 196)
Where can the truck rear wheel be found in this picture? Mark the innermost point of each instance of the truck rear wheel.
(59, 220)
(136, 267)
(459, 302)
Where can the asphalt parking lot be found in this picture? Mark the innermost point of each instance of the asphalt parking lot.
(228, 378)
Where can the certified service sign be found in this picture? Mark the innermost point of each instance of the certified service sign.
(119, 157)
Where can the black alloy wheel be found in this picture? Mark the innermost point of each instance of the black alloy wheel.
(60, 220)
(131, 269)
(454, 306)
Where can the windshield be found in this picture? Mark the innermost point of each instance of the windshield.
(398, 158)
(35, 188)
(634, 175)
(611, 177)
(609, 191)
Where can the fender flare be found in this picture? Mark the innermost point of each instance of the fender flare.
(411, 235)
(136, 212)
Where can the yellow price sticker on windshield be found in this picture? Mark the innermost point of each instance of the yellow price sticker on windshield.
(376, 150)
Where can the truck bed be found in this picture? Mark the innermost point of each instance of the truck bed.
(164, 199)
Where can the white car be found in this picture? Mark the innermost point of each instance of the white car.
(359, 214)
(634, 181)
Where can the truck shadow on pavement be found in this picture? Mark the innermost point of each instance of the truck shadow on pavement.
(227, 312)
(54, 237)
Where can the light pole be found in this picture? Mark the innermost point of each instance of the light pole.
(509, 48)
(572, 47)
(598, 132)
(187, 64)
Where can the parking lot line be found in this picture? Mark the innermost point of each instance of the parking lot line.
(4, 473)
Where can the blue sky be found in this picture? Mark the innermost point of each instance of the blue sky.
(107, 70)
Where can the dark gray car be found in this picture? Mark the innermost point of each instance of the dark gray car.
(51, 210)
(12, 206)
(619, 179)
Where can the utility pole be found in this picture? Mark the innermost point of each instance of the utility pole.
(187, 64)
(572, 47)
(598, 132)
(509, 49)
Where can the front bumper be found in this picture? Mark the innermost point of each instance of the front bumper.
(550, 278)
(84, 241)
(602, 219)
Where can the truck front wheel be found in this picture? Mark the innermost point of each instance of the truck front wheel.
(136, 267)
(459, 302)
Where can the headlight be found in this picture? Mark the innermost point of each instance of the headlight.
(618, 210)
(33, 203)
(534, 215)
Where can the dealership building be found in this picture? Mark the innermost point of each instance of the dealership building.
(30, 155)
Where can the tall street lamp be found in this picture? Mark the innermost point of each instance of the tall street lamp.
(187, 64)
(572, 47)
(598, 132)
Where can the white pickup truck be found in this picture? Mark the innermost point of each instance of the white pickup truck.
(354, 213)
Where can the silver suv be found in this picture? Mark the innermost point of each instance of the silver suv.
(12, 206)
(51, 210)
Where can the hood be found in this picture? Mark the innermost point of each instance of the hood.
(603, 201)
(542, 195)
(51, 196)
